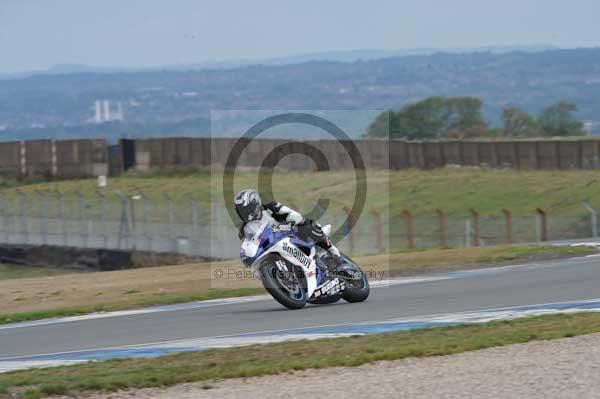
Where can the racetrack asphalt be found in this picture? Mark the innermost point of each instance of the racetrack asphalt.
(575, 279)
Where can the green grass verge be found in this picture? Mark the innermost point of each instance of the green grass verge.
(533, 252)
(289, 356)
(456, 190)
(419, 262)
(122, 305)
(19, 271)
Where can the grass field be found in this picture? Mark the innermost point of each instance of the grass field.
(456, 190)
(68, 295)
(289, 356)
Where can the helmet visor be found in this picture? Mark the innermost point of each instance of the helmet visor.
(249, 212)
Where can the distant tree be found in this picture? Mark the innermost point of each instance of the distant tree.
(558, 120)
(380, 127)
(431, 118)
(465, 115)
(421, 120)
(519, 123)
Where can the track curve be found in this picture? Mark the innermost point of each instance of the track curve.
(575, 279)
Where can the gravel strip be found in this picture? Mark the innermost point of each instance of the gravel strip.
(565, 368)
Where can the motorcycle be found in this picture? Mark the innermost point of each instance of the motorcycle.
(295, 271)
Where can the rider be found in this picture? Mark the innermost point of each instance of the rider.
(249, 207)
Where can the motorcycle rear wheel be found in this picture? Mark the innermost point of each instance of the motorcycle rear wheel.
(357, 290)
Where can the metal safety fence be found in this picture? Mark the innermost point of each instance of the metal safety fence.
(202, 227)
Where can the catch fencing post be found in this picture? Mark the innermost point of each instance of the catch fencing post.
(194, 205)
(62, 217)
(22, 202)
(378, 230)
(171, 216)
(194, 219)
(475, 221)
(468, 234)
(89, 223)
(410, 236)
(215, 231)
(147, 220)
(43, 213)
(103, 218)
(132, 201)
(6, 219)
(442, 220)
(123, 242)
(508, 222)
(16, 222)
(349, 230)
(193, 248)
(108, 225)
(593, 217)
(80, 218)
(542, 225)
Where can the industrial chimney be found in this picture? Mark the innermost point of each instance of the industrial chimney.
(98, 112)
(106, 111)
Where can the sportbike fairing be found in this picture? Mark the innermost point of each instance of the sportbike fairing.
(261, 239)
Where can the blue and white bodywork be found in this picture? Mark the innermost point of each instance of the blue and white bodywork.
(295, 271)
(261, 239)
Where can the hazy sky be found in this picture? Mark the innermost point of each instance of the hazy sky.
(35, 34)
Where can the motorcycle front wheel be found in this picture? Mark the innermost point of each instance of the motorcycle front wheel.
(284, 287)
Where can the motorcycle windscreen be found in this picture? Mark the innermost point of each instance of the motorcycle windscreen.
(251, 245)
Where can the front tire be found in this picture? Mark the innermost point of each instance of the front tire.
(281, 286)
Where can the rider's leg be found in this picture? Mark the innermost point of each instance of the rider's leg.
(333, 251)
(315, 232)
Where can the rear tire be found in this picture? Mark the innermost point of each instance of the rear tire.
(278, 291)
(353, 294)
(357, 290)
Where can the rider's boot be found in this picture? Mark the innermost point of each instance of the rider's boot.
(315, 232)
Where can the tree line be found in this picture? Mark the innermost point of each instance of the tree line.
(461, 117)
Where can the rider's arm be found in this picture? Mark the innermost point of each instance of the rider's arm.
(241, 233)
(281, 211)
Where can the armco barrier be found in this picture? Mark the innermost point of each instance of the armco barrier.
(89, 259)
